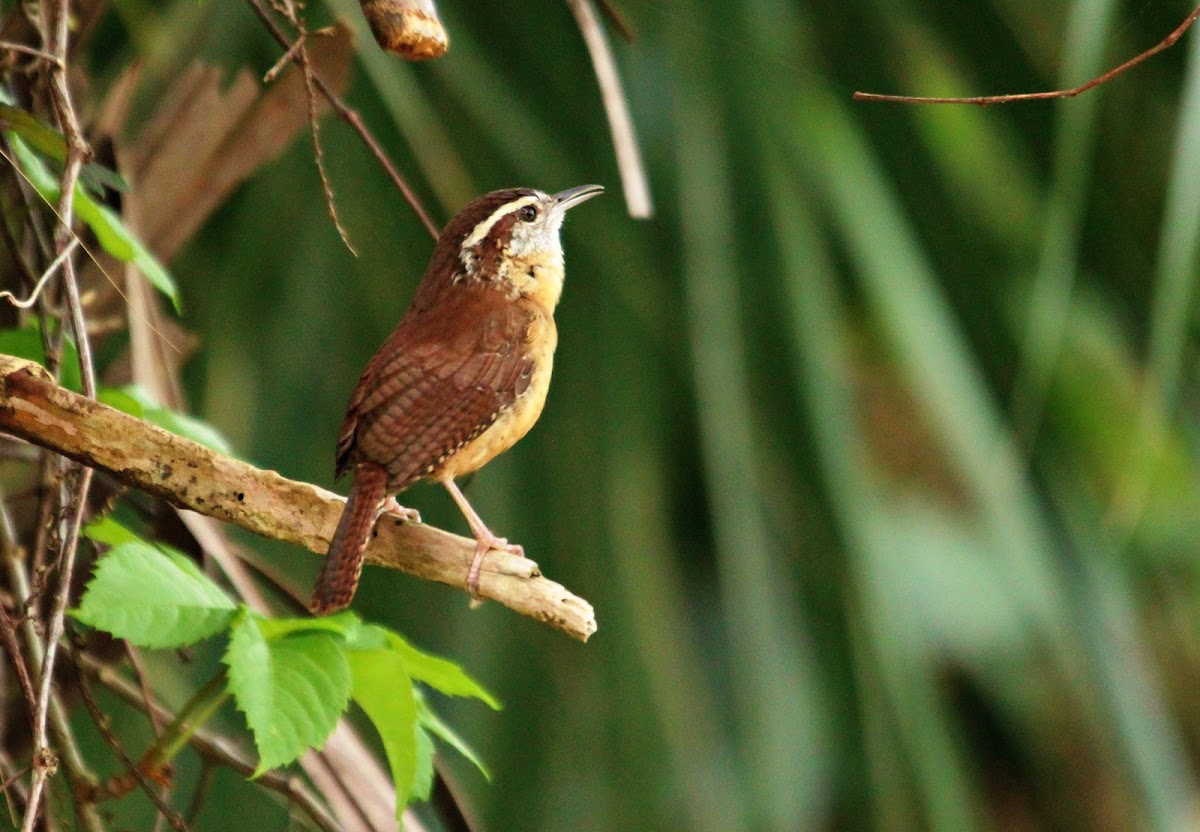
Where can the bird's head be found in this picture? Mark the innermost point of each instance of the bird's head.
(510, 239)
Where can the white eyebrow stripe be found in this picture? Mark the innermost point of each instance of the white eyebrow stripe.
(482, 230)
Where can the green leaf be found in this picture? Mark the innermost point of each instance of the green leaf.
(339, 624)
(368, 637)
(27, 343)
(135, 401)
(430, 720)
(109, 532)
(440, 674)
(49, 142)
(113, 236)
(44, 139)
(120, 399)
(154, 597)
(382, 688)
(191, 428)
(292, 689)
(423, 774)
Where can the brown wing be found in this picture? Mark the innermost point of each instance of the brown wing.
(441, 379)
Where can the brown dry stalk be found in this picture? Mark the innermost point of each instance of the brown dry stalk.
(634, 181)
(351, 117)
(55, 40)
(194, 477)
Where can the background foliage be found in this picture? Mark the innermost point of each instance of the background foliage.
(875, 450)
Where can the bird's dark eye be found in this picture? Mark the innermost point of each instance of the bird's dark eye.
(527, 213)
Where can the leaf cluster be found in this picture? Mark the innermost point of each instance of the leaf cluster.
(24, 133)
(292, 678)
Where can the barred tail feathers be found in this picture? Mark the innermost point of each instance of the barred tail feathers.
(343, 565)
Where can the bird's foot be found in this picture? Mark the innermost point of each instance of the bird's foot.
(407, 515)
(485, 543)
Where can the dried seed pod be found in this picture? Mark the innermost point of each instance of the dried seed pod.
(408, 28)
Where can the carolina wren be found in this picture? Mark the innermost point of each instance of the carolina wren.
(461, 379)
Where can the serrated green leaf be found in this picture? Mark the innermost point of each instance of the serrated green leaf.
(133, 400)
(27, 343)
(423, 774)
(429, 719)
(292, 690)
(440, 674)
(112, 235)
(154, 597)
(382, 688)
(108, 531)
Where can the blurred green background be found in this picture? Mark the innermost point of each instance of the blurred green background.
(875, 450)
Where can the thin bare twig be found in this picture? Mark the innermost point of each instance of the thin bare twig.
(215, 750)
(315, 133)
(985, 100)
(284, 59)
(48, 706)
(203, 784)
(298, 53)
(352, 118)
(8, 635)
(629, 158)
(55, 39)
(43, 280)
(75, 240)
(9, 46)
(8, 632)
(83, 782)
(7, 784)
(139, 673)
(10, 242)
(101, 722)
(81, 778)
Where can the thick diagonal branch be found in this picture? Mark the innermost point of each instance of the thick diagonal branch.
(192, 476)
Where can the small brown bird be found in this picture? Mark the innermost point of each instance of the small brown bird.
(463, 377)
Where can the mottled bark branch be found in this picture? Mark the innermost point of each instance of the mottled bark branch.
(194, 477)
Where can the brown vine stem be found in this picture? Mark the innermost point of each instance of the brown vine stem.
(191, 476)
(135, 773)
(8, 634)
(985, 100)
(81, 778)
(352, 118)
(55, 40)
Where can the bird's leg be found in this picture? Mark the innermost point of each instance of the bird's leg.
(484, 539)
(390, 506)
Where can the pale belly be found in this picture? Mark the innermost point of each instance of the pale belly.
(516, 421)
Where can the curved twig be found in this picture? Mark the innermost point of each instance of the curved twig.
(986, 100)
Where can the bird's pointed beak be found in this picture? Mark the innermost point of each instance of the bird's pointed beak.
(573, 196)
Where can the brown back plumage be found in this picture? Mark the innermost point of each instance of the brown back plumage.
(436, 384)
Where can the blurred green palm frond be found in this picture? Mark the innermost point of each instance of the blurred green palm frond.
(876, 450)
